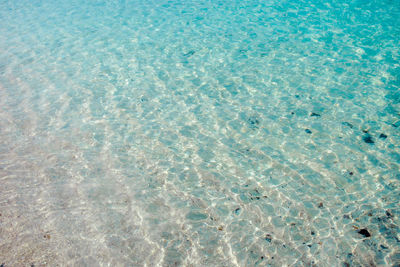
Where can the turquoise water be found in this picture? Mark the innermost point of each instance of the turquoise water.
(199, 133)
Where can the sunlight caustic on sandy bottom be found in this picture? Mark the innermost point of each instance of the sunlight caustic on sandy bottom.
(199, 133)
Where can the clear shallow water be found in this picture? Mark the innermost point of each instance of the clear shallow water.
(199, 133)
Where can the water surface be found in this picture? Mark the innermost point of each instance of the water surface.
(199, 133)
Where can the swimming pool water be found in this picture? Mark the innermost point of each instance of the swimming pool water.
(199, 133)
